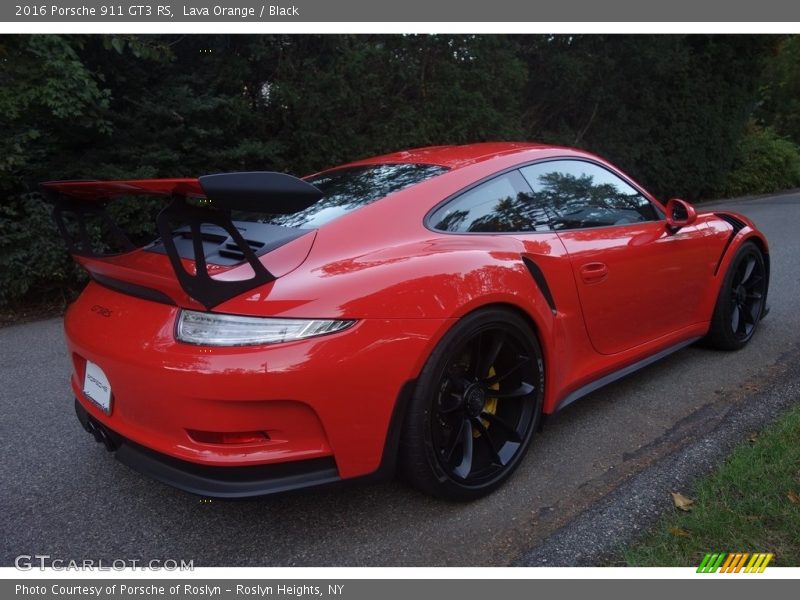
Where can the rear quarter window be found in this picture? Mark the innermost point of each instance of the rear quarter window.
(503, 204)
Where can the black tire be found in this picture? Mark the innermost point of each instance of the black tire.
(741, 300)
(476, 406)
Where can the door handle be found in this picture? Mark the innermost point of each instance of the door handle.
(594, 272)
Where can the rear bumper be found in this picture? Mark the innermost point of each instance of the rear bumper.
(331, 397)
(204, 480)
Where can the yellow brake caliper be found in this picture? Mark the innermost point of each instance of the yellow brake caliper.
(490, 406)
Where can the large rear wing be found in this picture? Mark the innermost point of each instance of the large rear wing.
(193, 202)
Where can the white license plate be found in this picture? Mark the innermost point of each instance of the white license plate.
(96, 387)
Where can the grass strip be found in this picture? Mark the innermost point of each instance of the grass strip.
(750, 504)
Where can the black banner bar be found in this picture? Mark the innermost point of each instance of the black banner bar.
(730, 588)
(332, 11)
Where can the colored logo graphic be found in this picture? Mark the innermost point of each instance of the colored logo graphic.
(743, 562)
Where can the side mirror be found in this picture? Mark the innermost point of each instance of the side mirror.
(680, 214)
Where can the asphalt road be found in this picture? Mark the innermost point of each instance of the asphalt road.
(62, 495)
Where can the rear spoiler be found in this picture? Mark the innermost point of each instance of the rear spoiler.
(207, 199)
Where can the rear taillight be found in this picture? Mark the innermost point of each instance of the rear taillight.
(216, 329)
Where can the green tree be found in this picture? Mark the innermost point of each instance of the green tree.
(668, 109)
(780, 94)
(48, 96)
(671, 110)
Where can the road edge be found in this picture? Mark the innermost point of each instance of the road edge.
(596, 536)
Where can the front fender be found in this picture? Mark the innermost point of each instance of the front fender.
(731, 231)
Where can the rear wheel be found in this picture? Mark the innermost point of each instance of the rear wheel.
(476, 406)
(740, 304)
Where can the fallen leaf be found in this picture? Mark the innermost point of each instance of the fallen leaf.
(679, 532)
(753, 438)
(681, 502)
(793, 497)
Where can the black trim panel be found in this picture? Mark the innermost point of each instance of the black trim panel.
(219, 248)
(80, 244)
(259, 191)
(391, 447)
(619, 374)
(766, 309)
(737, 224)
(201, 286)
(132, 289)
(217, 482)
(737, 227)
(540, 280)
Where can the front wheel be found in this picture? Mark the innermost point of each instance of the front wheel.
(740, 304)
(476, 406)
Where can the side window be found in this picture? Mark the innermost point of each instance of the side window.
(579, 194)
(501, 205)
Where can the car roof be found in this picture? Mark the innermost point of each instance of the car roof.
(452, 157)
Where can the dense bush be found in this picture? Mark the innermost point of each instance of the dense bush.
(668, 109)
(779, 105)
(765, 162)
(32, 255)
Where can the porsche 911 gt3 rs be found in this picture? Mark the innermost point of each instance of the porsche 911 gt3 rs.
(420, 310)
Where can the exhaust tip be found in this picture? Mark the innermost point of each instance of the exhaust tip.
(100, 435)
(105, 439)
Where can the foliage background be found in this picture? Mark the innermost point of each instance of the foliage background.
(695, 116)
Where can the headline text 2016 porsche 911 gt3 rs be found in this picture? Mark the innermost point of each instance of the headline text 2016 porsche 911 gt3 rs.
(423, 308)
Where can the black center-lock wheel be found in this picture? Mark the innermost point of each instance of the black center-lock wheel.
(476, 407)
(742, 296)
